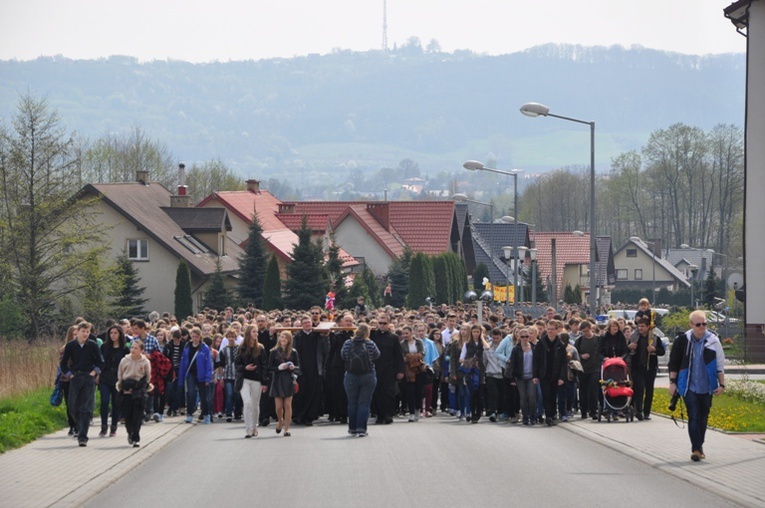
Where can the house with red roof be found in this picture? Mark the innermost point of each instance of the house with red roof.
(379, 231)
(563, 259)
(279, 229)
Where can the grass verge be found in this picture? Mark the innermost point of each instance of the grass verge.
(729, 412)
(24, 418)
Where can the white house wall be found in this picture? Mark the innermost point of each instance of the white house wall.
(357, 242)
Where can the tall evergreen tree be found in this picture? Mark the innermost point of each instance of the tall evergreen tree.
(335, 271)
(306, 284)
(374, 293)
(129, 301)
(442, 269)
(183, 304)
(421, 280)
(398, 277)
(252, 266)
(272, 286)
(217, 295)
(711, 287)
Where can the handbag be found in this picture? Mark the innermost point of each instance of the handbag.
(57, 396)
(576, 365)
(430, 374)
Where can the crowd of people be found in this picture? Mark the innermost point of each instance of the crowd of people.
(287, 367)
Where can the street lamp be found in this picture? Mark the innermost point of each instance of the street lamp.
(533, 254)
(693, 269)
(462, 198)
(521, 249)
(509, 255)
(534, 109)
(473, 165)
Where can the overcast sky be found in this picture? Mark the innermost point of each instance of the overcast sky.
(223, 30)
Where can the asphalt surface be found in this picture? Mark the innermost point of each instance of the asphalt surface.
(436, 462)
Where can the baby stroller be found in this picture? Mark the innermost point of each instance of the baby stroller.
(615, 385)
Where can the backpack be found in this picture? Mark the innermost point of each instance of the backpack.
(358, 361)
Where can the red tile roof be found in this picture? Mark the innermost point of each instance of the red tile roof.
(294, 221)
(422, 225)
(393, 245)
(569, 249)
(244, 204)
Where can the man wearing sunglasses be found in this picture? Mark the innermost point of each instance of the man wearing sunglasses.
(696, 372)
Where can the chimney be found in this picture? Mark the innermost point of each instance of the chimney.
(253, 186)
(181, 177)
(381, 212)
(181, 200)
(142, 176)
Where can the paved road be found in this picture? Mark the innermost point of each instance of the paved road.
(437, 462)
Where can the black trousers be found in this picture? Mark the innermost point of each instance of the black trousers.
(133, 410)
(549, 396)
(589, 393)
(642, 384)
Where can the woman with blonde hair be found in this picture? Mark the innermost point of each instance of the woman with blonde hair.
(457, 378)
(283, 366)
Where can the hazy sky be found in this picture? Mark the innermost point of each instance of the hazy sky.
(225, 30)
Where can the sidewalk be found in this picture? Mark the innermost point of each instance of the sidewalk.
(733, 469)
(54, 471)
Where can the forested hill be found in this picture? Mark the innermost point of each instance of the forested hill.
(370, 110)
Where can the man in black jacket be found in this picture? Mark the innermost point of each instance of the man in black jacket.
(82, 362)
(550, 367)
(389, 368)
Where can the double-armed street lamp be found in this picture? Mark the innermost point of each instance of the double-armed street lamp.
(473, 165)
(534, 109)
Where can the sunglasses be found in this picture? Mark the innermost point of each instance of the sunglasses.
(699, 325)
(382, 322)
(524, 336)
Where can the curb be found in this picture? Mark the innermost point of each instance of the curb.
(87, 490)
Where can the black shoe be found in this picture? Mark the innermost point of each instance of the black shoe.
(639, 416)
(344, 421)
(83, 443)
(308, 423)
(388, 421)
(228, 419)
(263, 423)
(550, 422)
(646, 415)
(136, 444)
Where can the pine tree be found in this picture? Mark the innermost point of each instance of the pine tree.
(252, 266)
(272, 286)
(183, 304)
(459, 274)
(217, 295)
(306, 285)
(130, 301)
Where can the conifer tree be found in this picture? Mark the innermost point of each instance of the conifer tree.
(217, 295)
(272, 286)
(398, 277)
(443, 279)
(421, 280)
(306, 282)
(183, 304)
(130, 301)
(252, 266)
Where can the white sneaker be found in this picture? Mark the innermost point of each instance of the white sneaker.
(412, 418)
(417, 416)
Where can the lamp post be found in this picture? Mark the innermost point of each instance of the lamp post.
(479, 166)
(534, 109)
(533, 254)
(693, 269)
(521, 250)
(509, 255)
(462, 198)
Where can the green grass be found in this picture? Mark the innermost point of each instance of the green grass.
(27, 417)
(728, 412)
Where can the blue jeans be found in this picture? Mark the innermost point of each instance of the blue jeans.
(698, 405)
(463, 397)
(192, 388)
(359, 389)
(82, 399)
(109, 394)
(233, 400)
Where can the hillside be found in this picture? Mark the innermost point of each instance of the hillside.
(323, 115)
